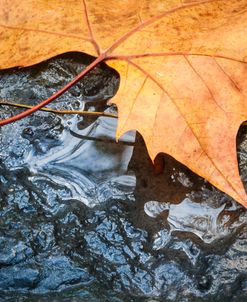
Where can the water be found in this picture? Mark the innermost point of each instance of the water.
(85, 219)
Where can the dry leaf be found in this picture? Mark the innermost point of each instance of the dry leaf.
(182, 66)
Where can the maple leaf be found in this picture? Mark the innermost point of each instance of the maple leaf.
(182, 66)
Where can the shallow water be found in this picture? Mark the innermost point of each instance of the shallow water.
(85, 219)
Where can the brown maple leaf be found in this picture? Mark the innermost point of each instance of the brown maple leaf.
(182, 66)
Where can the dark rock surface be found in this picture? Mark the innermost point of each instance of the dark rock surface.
(85, 219)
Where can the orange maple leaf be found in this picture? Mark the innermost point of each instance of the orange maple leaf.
(182, 66)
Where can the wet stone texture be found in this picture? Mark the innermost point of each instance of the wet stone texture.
(85, 219)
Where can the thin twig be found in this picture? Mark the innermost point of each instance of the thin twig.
(91, 113)
(46, 109)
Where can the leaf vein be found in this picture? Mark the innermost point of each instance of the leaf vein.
(45, 32)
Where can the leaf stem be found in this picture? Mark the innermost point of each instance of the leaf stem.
(79, 112)
(55, 95)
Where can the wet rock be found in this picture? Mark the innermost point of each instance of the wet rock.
(59, 272)
(13, 251)
(20, 278)
(84, 219)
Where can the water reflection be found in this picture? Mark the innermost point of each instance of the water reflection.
(207, 222)
(94, 170)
